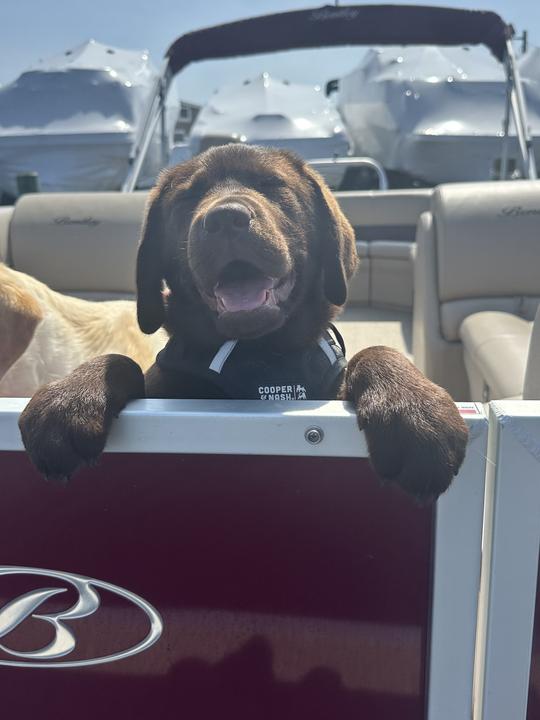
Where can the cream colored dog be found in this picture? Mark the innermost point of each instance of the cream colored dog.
(44, 335)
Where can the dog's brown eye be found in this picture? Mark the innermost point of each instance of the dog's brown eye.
(192, 193)
(266, 184)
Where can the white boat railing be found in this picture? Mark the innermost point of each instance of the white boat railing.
(508, 594)
(456, 580)
(355, 162)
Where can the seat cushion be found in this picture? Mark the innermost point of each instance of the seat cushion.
(496, 346)
(452, 314)
(531, 386)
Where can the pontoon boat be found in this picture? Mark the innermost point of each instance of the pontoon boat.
(73, 119)
(239, 559)
(435, 114)
(271, 112)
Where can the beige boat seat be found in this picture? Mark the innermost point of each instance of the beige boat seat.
(531, 383)
(495, 351)
(85, 243)
(502, 356)
(5, 220)
(385, 226)
(478, 249)
(77, 243)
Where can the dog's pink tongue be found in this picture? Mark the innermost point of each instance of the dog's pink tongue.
(243, 294)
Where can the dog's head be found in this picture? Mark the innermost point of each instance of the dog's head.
(248, 240)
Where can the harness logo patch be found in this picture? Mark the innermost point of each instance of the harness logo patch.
(282, 392)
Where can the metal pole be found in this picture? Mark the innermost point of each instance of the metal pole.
(164, 140)
(143, 138)
(503, 173)
(354, 162)
(524, 42)
(520, 114)
(133, 170)
(131, 181)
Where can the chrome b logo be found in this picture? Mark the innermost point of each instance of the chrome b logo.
(64, 642)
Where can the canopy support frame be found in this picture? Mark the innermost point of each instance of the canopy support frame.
(504, 52)
(155, 112)
(519, 113)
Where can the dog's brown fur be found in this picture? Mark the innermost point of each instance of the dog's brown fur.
(296, 221)
(293, 228)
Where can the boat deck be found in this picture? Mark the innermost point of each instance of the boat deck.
(364, 325)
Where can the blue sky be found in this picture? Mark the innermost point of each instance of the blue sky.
(33, 29)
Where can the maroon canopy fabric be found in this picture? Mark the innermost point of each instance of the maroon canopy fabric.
(343, 25)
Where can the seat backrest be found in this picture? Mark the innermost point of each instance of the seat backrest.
(79, 243)
(488, 248)
(385, 227)
(86, 243)
(478, 249)
(388, 215)
(6, 214)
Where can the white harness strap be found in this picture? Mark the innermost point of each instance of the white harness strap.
(327, 350)
(220, 358)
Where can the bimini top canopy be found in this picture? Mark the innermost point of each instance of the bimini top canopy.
(343, 25)
(331, 26)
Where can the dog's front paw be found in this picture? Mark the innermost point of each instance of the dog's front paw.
(415, 434)
(65, 425)
(61, 433)
(419, 448)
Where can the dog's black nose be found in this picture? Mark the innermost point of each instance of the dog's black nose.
(229, 216)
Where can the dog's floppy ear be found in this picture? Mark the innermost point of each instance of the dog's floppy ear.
(338, 245)
(150, 307)
(20, 314)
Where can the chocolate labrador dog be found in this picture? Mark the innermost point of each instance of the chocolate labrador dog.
(254, 254)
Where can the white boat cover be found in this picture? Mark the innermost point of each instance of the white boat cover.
(435, 113)
(267, 111)
(74, 118)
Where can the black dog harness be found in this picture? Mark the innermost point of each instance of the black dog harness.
(243, 370)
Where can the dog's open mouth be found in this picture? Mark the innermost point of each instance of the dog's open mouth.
(243, 288)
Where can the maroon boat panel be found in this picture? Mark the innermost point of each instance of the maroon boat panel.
(533, 708)
(288, 588)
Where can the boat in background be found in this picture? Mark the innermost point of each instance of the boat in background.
(529, 69)
(73, 119)
(275, 113)
(434, 114)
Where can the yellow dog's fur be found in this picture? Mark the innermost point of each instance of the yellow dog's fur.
(44, 335)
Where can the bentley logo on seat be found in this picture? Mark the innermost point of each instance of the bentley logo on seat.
(16, 611)
(518, 211)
